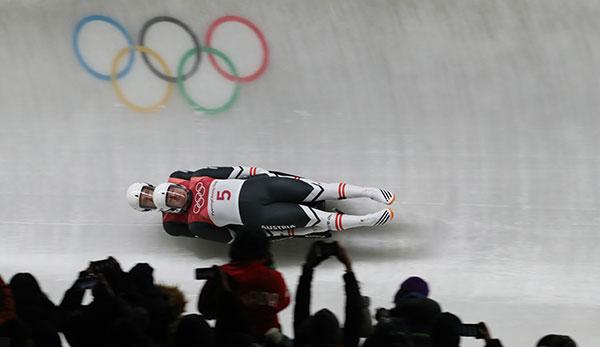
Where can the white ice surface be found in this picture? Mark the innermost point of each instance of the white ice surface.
(482, 116)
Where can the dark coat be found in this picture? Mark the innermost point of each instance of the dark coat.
(305, 326)
(108, 321)
(409, 324)
(419, 314)
(153, 300)
(35, 310)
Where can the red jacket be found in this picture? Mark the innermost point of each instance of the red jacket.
(8, 311)
(260, 291)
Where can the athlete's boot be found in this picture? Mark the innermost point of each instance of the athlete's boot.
(372, 219)
(338, 191)
(381, 195)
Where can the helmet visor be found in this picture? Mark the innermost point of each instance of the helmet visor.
(177, 196)
(146, 198)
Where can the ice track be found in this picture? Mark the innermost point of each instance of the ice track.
(482, 117)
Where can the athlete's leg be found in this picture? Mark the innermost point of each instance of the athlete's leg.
(298, 219)
(342, 190)
(335, 221)
(274, 218)
(307, 191)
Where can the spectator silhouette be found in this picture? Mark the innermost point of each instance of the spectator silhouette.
(12, 330)
(8, 311)
(413, 305)
(323, 328)
(193, 331)
(448, 328)
(108, 320)
(35, 310)
(153, 301)
(410, 321)
(245, 295)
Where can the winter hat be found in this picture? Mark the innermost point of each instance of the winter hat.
(556, 341)
(412, 287)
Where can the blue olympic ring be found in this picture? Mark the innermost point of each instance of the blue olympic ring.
(117, 25)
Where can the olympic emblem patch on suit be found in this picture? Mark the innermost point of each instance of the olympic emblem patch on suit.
(199, 198)
(165, 73)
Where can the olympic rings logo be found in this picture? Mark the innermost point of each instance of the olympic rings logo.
(166, 74)
(199, 198)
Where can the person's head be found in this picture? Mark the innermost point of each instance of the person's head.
(446, 330)
(553, 340)
(412, 288)
(321, 329)
(171, 197)
(250, 245)
(193, 330)
(139, 196)
(25, 287)
(141, 274)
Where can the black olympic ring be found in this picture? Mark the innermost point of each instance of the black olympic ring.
(184, 26)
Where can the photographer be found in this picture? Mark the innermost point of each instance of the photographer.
(108, 320)
(244, 295)
(323, 329)
(448, 329)
(411, 319)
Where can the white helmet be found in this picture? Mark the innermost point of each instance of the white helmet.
(136, 191)
(163, 191)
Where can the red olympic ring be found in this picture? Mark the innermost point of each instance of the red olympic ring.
(259, 34)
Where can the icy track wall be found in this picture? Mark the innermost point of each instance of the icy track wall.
(481, 116)
(186, 66)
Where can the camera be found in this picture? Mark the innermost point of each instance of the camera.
(103, 266)
(382, 314)
(205, 273)
(473, 330)
(327, 249)
(87, 282)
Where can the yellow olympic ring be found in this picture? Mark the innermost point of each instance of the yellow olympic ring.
(113, 77)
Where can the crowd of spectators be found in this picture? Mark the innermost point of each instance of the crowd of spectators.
(243, 297)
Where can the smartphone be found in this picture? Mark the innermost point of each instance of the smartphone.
(87, 283)
(471, 330)
(328, 249)
(205, 273)
(102, 266)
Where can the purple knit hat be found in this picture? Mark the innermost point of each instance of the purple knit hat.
(412, 287)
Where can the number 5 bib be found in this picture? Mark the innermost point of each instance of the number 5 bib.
(224, 202)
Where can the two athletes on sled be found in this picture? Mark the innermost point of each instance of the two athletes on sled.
(216, 202)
